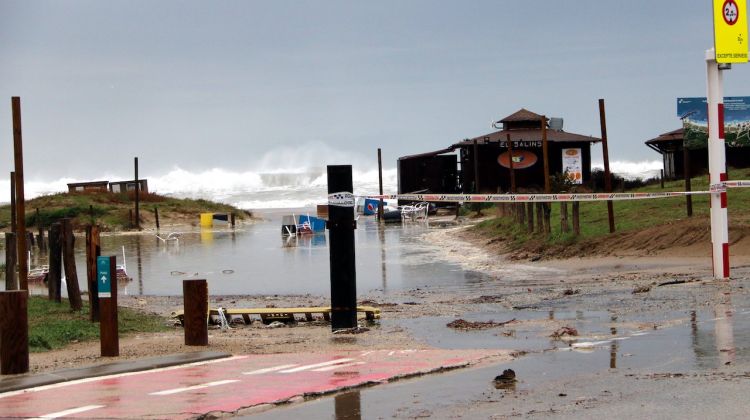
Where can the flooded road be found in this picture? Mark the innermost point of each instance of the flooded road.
(612, 369)
(256, 259)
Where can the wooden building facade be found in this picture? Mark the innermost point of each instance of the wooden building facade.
(452, 170)
(670, 146)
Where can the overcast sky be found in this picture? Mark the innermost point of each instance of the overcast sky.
(202, 85)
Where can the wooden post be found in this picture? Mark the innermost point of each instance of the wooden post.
(41, 241)
(108, 329)
(341, 225)
(380, 184)
(517, 212)
(137, 197)
(23, 268)
(576, 218)
(539, 217)
(530, 216)
(232, 219)
(11, 282)
(13, 202)
(40, 237)
(93, 250)
(156, 217)
(661, 179)
(607, 175)
(130, 217)
(476, 175)
(30, 239)
(195, 318)
(547, 187)
(564, 227)
(14, 332)
(686, 174)
(54, 277)
(69, 263)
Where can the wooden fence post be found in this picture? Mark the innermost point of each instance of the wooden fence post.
(156, 217)
(11, 282)
(93, 250)
(576, 218)
(69, 263)
(14, 332)
(539, 217)
(195, 314)
(54, 277)
(530, 216)
(564, 227)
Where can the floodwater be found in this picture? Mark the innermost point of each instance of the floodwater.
(256, 259)
(699, 341)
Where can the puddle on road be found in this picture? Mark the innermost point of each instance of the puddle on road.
(693, 341)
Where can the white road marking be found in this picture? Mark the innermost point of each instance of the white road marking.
(317, 365)
(191, 388)
(271, 369)
(68, 412)
(327, 368)
(119, 375)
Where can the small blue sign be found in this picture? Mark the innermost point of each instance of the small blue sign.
(103, 276)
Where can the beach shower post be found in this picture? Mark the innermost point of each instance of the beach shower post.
(341, 225)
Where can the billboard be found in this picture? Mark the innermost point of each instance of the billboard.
(694, 115)
(572, 165)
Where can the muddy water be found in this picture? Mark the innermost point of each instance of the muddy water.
(609, 359)
(258, 260)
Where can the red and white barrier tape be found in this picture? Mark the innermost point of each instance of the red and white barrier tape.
(514, 198)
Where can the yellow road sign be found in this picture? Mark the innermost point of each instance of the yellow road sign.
(730, 31)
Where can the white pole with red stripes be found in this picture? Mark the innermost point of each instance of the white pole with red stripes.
(717, 166)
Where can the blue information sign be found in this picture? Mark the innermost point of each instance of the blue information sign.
(103, 276)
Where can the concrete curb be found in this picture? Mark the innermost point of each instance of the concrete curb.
(18, 382)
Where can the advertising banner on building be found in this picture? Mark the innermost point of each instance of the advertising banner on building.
(572, 163)
(694, 115)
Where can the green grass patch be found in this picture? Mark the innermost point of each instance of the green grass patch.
(53, 325)
(629, 214)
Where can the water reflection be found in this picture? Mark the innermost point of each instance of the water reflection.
(347, 406)
(723, 328)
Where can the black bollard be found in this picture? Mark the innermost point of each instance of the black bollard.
(341, 225)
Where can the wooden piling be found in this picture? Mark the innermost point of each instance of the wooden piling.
(14, 332)
(156, 217)
(54, 277)
(108, 329)
(137, 197)
(380, 185)
(232, 219)
(69, 263)
(13, 202)
(11, 258)
(23, 268)
(607, 174)
(539, 217)
(661, 178)
(40, 241)
(686, 174)
(195, 319)
(530, 217)
(547, 209)
(93, 250)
